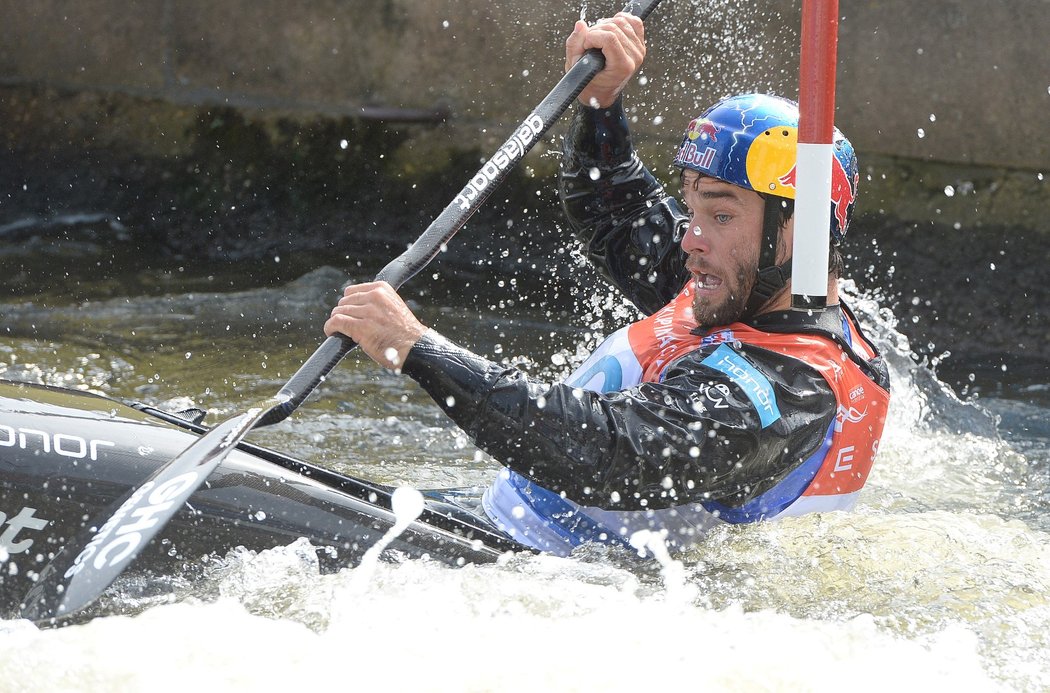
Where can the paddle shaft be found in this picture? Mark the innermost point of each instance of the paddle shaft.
(454, 216)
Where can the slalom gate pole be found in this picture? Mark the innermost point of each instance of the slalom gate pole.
(816, 102)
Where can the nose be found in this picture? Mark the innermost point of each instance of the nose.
(693, 240)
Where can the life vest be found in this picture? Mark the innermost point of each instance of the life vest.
(829, 479)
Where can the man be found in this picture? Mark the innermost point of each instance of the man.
(723, 405)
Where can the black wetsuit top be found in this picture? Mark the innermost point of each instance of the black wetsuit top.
(624, 450)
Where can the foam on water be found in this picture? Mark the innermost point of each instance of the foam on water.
(420, 626)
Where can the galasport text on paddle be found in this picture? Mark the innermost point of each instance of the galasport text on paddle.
(105, 547)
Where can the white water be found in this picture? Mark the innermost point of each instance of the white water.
(540, 624)
(940, 579)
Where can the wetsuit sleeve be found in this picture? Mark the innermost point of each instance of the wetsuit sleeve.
(696, 436)
(629, 226)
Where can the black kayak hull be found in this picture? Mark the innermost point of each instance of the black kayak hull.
(66, 456)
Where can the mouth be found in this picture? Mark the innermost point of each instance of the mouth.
(707, 282)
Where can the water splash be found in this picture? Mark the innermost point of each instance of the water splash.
(677, 589)
(407, 505)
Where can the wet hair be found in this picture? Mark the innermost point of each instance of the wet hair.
(836, 264)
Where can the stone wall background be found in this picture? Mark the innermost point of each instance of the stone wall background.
(972, 76)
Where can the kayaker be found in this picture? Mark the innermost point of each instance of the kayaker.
(724, 404)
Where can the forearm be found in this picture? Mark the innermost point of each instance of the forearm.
(509, 416)
(646, 447)
(614, 205)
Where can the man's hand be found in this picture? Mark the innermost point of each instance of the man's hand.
(375, 317)
(622, 40)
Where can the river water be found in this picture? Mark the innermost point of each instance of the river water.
(940, 578)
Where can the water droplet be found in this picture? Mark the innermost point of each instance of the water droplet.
(921, 133)
(949, 191)
(343, 144)
(407, 503)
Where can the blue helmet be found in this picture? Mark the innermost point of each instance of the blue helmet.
(751, 141)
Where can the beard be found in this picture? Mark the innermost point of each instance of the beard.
(709, 314)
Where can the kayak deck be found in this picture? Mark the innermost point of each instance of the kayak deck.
(65, 456)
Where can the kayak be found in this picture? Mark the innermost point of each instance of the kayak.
(66, 456)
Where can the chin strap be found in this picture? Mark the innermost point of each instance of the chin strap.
(771, 276)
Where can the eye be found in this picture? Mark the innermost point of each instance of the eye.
(723, 218)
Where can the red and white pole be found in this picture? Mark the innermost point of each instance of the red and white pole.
(816, 101)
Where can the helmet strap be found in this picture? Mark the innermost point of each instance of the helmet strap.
(771, 276)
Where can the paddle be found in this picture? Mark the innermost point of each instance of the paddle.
(89, 563)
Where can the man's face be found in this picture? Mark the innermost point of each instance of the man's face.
(722, 243)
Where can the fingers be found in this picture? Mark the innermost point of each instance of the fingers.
(622, 23)
(355, 292)
(621, 39)
(339, 323)
(362, 302)
(374, 316)
(624, 32)
(574, 49)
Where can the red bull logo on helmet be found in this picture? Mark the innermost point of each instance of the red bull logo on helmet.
(702, 128)
(843, 193)
(843, 190)
(691, 155)
(692, 152)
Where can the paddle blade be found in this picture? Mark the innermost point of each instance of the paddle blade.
(89, 563)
